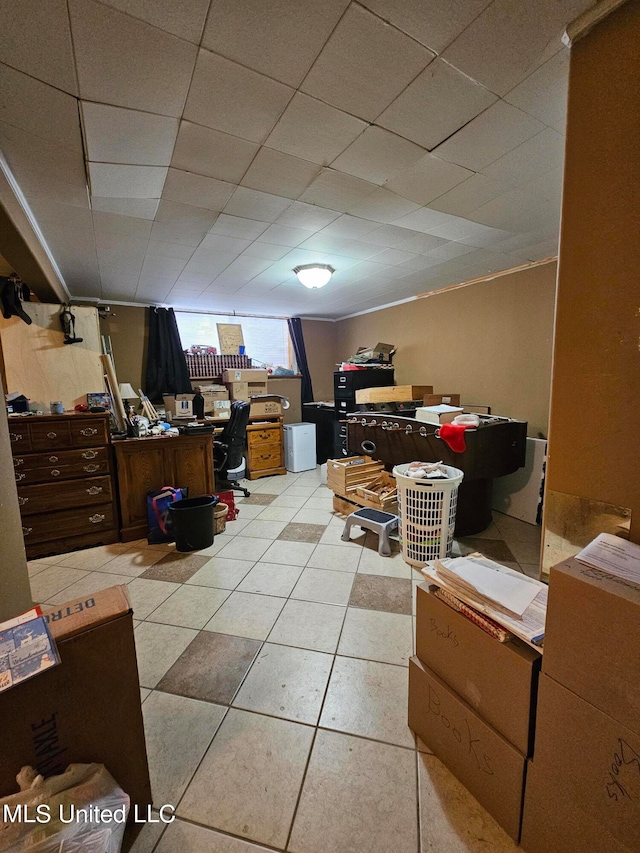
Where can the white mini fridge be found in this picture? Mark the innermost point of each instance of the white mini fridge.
(300, 447)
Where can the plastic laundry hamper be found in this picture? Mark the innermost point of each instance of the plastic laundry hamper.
(427, 511)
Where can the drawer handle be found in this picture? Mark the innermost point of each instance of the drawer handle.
(53, 459)
(88, 431)
(97, 518)
(15, 436)
(55, 472)
(17, 462)
(27, 530)
(90, 468)
(22, 501)
(94, 490)
(20, 477)
(52, 435)
(90, 454)
(265, 456)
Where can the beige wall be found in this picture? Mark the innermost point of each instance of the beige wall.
(320, 344)
(129, 334)
(595, 407)
(491, 342)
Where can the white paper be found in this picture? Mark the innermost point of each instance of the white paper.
(510, 592)
(612, 554)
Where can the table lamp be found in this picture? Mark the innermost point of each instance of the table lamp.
(127, 393)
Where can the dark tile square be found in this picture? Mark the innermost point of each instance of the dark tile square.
(257, 500)
(176, 567)
(371, 592)
(211, 668)
(495, 549)
(295, 532)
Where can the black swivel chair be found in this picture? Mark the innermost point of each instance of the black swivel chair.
(229, 447)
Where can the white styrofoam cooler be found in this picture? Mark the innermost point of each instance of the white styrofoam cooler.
(300, 447)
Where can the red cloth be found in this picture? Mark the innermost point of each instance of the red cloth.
(453, 434)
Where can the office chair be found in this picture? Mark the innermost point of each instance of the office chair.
(229, 448)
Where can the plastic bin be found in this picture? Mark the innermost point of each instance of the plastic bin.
(193, 522)
(427, 512)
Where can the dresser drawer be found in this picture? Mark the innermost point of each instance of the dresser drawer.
(55, 434)
(265, 435)
(47, 526)
(52, 473)
(86, 432)
(58, 458)
(265, 456)
(65, 495)
(19, 436)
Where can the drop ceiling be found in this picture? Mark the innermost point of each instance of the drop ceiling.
(191, 153)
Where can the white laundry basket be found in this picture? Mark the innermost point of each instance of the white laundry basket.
(427, 511)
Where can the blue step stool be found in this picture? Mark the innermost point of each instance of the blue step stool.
(382, 523)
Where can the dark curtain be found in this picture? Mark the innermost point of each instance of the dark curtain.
(297, 339)
(167, 371)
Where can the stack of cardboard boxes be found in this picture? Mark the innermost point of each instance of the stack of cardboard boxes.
(583, 785)
(245, 384)
(472, 701)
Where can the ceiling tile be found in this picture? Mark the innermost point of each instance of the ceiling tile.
(209, 152)
(182, 223)
(337, 190)
(383, 206)
(377, 60)
(394, 256)
(450, 250)
(350, 227)
(184, 18)
(280, 174)
(252, 204)
(116, 135)
(277, 37)
(128, 226)
(420, 243)
(543, 152)
(308, 216)
(358, 250)
(211, 263)
(236, 226)
(236, 100)
(468, 196)
(220, 243)
(158, 249)
(196, 190)
(378, 155)
(314, 131)
(143, 208)
(116, 181)
(544, 93)
(489, 136)
(246, 267)
(427, 179)
(128, 63)
(284, 235)
(505, 43)
(520, 209)
(39, 109)
(436, 104)
(35, 38)
(424, 220)
(268, 251)
(431, 22)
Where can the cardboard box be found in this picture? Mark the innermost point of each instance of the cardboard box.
(265, 409)
(179, 405)
(485, 762)
(213, 397)
(498, 680)
(245, 376)
(440, 414)
(382, 352)
(246, 390)
(437, 399)
(392, 393)
(592, 638)
(221, 410)
(87, 709)
(554, 823)
(592, 759)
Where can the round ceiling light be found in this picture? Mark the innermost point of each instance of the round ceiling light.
(314, 275)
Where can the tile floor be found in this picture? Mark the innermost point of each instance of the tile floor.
(273, 668)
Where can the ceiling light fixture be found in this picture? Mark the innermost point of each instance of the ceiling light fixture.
(314, 275)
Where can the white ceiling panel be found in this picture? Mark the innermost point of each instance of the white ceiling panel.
(158, 249)
(236, 226)
(267, 251)
(436, 104)
(378, 155)
(308, 216)
(128, 63)
(144, 208)
(427, 179)
(383, 206)
(543, 152)
(468, 196)
(489, 136)
(187, 188)
(127, 226)
(544, 93)
(182, 223)
(35, 38)
(284, 235)
(212, 153)
(167, 269)
(321, 243)
(233, 99)
(394, 256)
(450, 250)
(184, 18)
(357, 250)
(212, 263)
(376, 59)
(276, 37)
(460, 229)
(280, 174)
(314, 131)
(420, 243)
(46, 188)
(349, 227)
(336, 190)
(252, 204)
(117, 135)
(222, 243)
(425, 220)
(388, 235)
(431, 22)
(520, 209)
(117, 181)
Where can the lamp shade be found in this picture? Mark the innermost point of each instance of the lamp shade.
(127, 392)
(314, 275)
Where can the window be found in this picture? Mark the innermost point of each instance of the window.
(266, 339)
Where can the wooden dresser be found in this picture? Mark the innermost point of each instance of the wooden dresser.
(66, 486)
(147, 464)
(265, 449)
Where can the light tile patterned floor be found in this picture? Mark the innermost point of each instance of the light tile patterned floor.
(273, 671)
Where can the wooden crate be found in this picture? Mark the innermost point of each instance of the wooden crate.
(368, 496)
(344, 506)
(343, 475)
(438, 399)
(393, 393)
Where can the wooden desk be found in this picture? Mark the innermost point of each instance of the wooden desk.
(145, 464)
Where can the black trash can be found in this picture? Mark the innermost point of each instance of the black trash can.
(192, 521)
